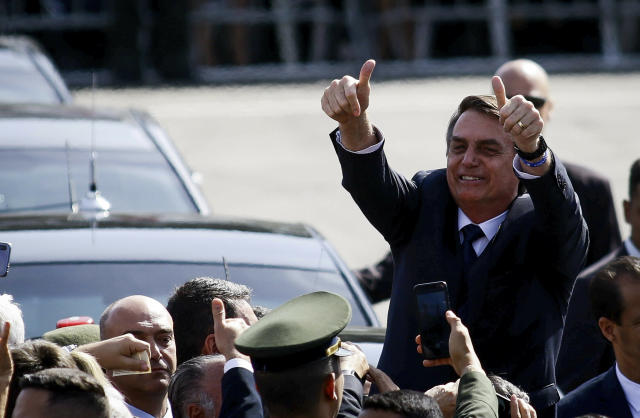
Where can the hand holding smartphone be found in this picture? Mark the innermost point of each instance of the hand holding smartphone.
(432, 301)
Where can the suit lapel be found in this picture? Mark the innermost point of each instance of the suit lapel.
(613, 396)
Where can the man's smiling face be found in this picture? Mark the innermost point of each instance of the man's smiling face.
(479, 166)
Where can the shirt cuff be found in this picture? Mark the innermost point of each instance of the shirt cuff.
(238, 362)
(368, 150)
(517, 167)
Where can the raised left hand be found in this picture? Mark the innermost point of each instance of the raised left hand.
(519, 118)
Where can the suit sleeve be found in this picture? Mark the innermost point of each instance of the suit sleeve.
(388, 200)
(476, 397)
(559, 220)
(351, 398)
(240, 397)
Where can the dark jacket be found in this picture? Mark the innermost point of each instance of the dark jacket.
(584, 352)
(601, 395)
(598, 211)
(520, 284)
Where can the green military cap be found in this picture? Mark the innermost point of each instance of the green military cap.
(298, 332)
(74, 335)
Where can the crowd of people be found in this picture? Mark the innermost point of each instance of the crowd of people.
(544, 296)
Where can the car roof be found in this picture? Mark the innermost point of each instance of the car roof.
(125, 238)
(53, 126)
(23, 55)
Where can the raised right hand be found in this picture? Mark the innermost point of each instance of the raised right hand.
(345, 99)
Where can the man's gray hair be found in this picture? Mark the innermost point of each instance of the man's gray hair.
(10, 312)
(186, 386)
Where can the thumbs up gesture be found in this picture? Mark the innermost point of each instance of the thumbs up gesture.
(346, 99)
(519, 118)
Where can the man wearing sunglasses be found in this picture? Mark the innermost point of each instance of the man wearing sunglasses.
(530, 80)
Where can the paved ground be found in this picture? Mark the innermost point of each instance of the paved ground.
(264, 151)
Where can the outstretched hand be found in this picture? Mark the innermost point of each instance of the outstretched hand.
(226, 331)
(519, 117)
(463, 357)
(346, 99)
(119, 353)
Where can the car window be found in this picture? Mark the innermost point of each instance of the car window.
(132, 181)
(48, 292)
(21, 82)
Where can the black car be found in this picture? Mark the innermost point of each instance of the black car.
(63, 266)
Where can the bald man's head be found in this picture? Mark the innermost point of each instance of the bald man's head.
(527, 78)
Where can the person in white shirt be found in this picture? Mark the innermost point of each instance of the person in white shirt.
(615, 301)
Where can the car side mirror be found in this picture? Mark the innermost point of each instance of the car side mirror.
(5, 253)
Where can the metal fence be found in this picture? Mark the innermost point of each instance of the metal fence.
(240, 40)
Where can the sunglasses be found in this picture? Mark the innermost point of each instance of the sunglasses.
(537, 102)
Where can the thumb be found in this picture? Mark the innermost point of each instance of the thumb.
(217, 310)
(453, 320)
(498, 89)
(366, 71)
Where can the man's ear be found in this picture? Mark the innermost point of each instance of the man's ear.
(209, 346)
(329, 388)
(626, 206)
(194, 411)
(607, 327)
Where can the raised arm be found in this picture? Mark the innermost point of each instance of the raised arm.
(346, 101)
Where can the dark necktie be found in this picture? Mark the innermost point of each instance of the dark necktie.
(470, 233)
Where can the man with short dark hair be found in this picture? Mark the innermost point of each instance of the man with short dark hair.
(509, 259)
(584, 353)
(147, 320)
(61, 393)
(195, 388)
(190, 308)
(615, 300)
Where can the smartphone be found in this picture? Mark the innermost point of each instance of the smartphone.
(432, 301)
(5, 253)
(504, 406)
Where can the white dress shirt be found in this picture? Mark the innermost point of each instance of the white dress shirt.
(631, 391)
(490, 229)
(139, 413)
(631, 249)
(237, 362)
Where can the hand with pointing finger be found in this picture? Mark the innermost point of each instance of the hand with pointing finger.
(519, 118)
(226, 331)
(346, 101)
(347, 98)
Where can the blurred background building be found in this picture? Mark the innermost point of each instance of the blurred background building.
(219, 41)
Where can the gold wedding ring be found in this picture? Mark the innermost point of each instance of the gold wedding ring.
(521, 125)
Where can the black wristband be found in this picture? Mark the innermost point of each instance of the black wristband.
(530, 156)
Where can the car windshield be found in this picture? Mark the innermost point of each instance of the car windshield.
(48, 292)
(21, 82)
(134, 180)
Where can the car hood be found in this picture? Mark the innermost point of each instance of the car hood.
(61, 238)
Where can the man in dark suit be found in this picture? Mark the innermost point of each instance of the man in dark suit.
(530, 80)
(615, 299)
(584, 353)
(510, 282)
